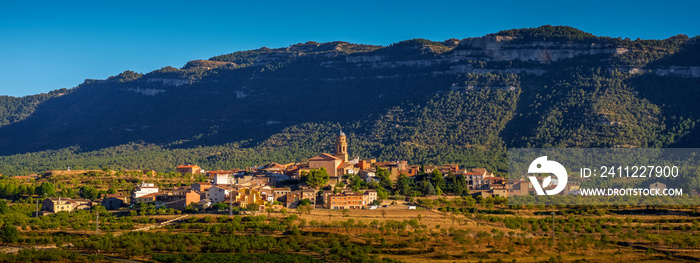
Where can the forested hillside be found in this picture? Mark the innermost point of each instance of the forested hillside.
(461, 101)
(14, 109)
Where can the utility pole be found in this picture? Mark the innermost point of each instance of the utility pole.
(97, 221)
(230, 195)
(552, 227)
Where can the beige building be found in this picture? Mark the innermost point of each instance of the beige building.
(519, 187)
(369, 196)
(248, 196)
(280, 192)
(201, 187)
(189, 169)
(295, 197)
(345, 200)
(148, 199)
(326, 161)
(332, 163)
(143, 189)
(57, 204)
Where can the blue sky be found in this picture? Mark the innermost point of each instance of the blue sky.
(56, 44)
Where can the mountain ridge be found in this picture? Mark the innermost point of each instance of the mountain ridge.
(415, 99)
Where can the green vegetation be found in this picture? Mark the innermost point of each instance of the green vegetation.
(13, 109)
(447, 228)
(408, 101)
(234, 258)
(315, 177)
(549, 33)
(425, 113)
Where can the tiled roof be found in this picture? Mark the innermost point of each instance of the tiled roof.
(56, 198)
(493, 178)
(219, 172)
(149, 195)
(113, 195)
(323, 157)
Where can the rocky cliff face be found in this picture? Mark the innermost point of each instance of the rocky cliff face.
(463, 57)
(499, 48)
(249, 95)
(687, 72)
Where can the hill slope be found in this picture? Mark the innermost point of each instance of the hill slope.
(452, 101)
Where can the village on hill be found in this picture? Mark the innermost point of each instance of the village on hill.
(325, 181)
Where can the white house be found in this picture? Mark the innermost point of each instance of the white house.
(223, 179)
(143, 189)
(368, 176)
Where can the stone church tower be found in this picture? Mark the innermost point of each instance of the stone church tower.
(341, 147)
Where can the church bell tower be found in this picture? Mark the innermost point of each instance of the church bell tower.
(341, 147)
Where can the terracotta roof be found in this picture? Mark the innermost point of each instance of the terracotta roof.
(113, 195)
(186, 166)
(323, 157)
(225, 186)
(346, 164)
(149, 195)
(200, 183)
(273, 165)
(219, 172)
(56, 198)
(493, 178)
(347, 193)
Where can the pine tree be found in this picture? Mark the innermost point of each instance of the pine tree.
(429, 189)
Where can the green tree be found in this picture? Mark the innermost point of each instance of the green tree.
(404, 185)
(384, 176)
(428, 188)
(315, 177)
(89, 192)
(3, 207)
(9, 190)
(438, 179)
(47, 188)
(253, 207)
(9, 234)
(382, 193)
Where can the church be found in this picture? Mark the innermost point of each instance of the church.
(333, 163)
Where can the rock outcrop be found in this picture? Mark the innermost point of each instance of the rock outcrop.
(500, 48)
